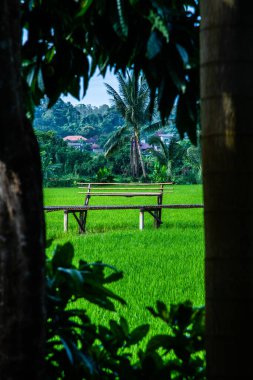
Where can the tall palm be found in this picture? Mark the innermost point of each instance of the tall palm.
(132, 101)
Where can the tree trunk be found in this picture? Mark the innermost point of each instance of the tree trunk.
(140, 155)
(21, 218)
(227, 141)
(132, 158)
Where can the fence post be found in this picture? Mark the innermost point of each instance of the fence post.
(141, 219)
(65, 221)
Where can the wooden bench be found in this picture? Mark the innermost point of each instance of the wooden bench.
(152, 210)
(128, 190)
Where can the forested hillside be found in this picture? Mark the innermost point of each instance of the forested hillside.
(86, 120)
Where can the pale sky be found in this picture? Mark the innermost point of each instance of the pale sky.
(96, 94)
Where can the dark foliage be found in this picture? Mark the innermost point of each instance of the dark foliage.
(67, 40)
(79, 349)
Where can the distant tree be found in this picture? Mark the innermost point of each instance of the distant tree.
(132, 101)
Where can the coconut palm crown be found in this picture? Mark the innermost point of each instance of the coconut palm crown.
(133, 103)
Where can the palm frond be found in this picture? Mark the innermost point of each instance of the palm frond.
(152, 140)
(165, 151)
(117, 100)
(153, 127)
(160, 157)
(113, 148)
(127, 88)
(132, 100)
(116, 136)
(116, 146)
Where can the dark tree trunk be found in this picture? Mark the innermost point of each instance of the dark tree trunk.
(227, 141)
(21, 218)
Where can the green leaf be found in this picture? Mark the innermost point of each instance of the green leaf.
(68, 350)
(40, 81)
(87, 362)
(154, 45)
(138, 334)
(124, 325)
(159, 24)
(117, 330)
(181, 314)
(49, 242)
(183, 54)
(186, 121)
(50, 54)
(75, 275)
(63, 256)
(85, 5)
(152, 311)
(30, 75)
(160, 341)
(162, 310)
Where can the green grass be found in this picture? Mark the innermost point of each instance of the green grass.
(164, 264)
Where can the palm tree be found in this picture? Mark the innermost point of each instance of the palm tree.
(132, 101)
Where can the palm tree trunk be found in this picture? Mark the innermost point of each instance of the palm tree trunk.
(21, 218)
(227, 141)
(140, 155)
(133, 158)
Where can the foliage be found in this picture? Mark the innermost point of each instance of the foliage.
(104, 175)
(185, 162)
(85, 120)
(67, 41)
(133, 103)
(63, 165)
(77, 348)
(160, 173)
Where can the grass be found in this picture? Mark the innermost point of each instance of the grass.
(165, 264)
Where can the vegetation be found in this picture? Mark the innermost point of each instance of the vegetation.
(121, 342)
(57, 56)
(63, 165)
(133, 103)
(144, 267)
(84, 350)
(85, 120)
(61, 36)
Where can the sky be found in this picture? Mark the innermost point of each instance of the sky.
(96, 94)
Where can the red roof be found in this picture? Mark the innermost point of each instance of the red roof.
(74, 138)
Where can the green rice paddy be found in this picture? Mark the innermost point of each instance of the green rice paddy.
(165, 264)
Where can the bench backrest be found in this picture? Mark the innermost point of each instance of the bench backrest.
(123, 189)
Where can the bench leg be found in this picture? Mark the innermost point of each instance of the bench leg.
(65, 221)
(81, 225)
(141, 220)
(158, 213)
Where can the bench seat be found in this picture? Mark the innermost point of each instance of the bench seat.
(151, 209)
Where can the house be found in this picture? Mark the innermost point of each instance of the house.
(144, 146)
(165, 137)
(76, 142)
(96, 149)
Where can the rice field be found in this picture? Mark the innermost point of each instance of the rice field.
(165, 264)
